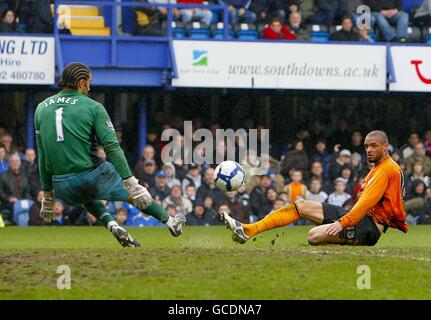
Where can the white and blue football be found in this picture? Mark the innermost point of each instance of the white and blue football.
(229, 176)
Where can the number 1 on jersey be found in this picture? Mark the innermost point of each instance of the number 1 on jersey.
(59, 124)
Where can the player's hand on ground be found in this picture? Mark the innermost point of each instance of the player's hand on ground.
(334, 228)
(47, 208)
(140, 196)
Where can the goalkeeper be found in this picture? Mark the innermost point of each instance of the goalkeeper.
(69, 126)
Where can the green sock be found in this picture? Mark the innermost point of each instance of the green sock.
(97, 209)
(157, 212)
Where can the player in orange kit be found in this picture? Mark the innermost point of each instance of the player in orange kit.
(380, 206)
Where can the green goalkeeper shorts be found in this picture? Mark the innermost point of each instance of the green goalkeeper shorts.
(100, 183)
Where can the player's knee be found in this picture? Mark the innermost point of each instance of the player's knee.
(314, 237)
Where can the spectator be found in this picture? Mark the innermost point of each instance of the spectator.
(160, 191)
(239, 11)
(357, 166)
(418, 174)
(14, 185)
(295, 159)
(181, 203)
(418, 156)
(208, 188)
(407, 149)
(317, 171)
(364, 35)
(347, 32)
(427, 143)
(346, 174)
(193, 177)
(211, 209)
(422, 16)
(3, 162)
(34, 213)
(262, 9)
(284, 8)
(296, 27)
(278, 204)
(148, 153)
(191, 193)
(257, 195)
(296, 189)
(389, 13)
(31, 170)
(415, 202)
(58, 214)
(238, 211)
(198, 14)
(357, 143)
(201, 216)
(339, 196)
(315, 193)
(121, 216)
(277, 31)
(343, 158)
(169, 168)
(8, 23)
(321, 155)
(148, 21)
(36, 14)
(7, 141)
(270, 196)
(325, 11)
(146, 177)
(426, 218)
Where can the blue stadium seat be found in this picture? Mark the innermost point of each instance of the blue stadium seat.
(414, 34)
(318, 33)
(217, 31)
(178, 29)
(246, 31)
(21, 212)
(198, 30)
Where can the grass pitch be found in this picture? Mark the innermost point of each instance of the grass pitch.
(205, 264)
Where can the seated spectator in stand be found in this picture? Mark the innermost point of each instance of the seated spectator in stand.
(316, 172)
(121, 217)
(406, 150)
(415, 202)
(31, 170)
(364, 35)
(198, 14)
(36, 15)
(296, 189)
(193, 177)
(262, 9)
(427, 143)
(346, 174)
(296, 27)
(190, 193)
(278, 204)
(389, 13)
(169, 168)
(34, 213)
(148, 21)
(277, 31)
(321, 154)
(147, 176)
(347, 32)
(8, 23)
(237, 209)
(343, 158)
(148, 153)
(422, 16)
(14, 185)
(325, 11)
(283, 8)
(417, 174)
(270, 196)
(426, 218)
(160, 190)
(201, 216)
(357, 166)
(257, 195)
(4, 165)
(418, 156)
(315, 192)
(58, 214)
(208, 188)
(239, 11)
(295, 159)
(7, 141)
(176, 198)
(339, 196)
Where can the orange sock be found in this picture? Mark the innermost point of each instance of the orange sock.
(278, 218)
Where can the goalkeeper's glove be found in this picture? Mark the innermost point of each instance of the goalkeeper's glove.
(140, 196)
(47, 208)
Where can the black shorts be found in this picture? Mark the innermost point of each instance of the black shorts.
(365, 233)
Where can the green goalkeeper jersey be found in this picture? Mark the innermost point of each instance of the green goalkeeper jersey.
(69, 127)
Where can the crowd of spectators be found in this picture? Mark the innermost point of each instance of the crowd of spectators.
(316, 166)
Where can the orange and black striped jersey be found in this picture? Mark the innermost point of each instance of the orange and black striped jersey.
(382, 197)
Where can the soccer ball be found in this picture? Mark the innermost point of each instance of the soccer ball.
(229, 176)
